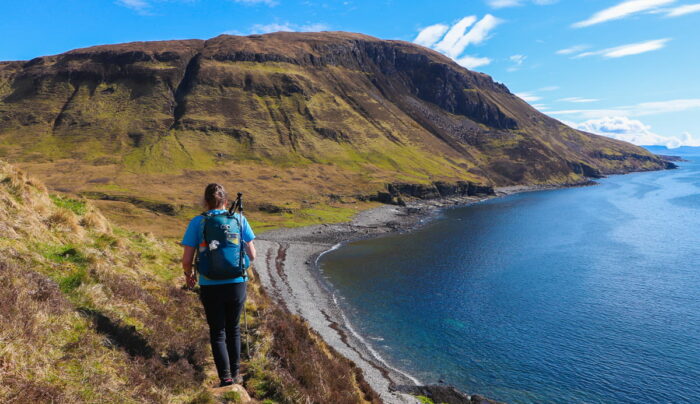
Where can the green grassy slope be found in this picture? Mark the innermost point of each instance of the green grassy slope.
(91, 313)
(290, 118)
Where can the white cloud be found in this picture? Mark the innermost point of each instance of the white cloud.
(573, 49)
(622, 10)
(429, 35)
(289, 27)
(142, 6)
(513, 3)
(504, 3)
(533, 96)
(137, 5)
(472, 62)
(458, 38)
(314, 27)
(635, 48)
(683, 10)
(627, 50)
(449, 44)
(528, 96)
(452, 41)
(642, 109)
(578, 99)
(633, 131)
(662, 107)
(270, 3)
(518, 59)
(481, 31)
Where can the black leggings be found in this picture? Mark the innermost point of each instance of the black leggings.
(223, 305)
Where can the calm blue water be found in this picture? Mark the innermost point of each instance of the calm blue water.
(569, 296)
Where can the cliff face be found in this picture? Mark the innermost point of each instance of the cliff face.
(348, 105)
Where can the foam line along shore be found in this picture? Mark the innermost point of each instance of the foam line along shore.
(288, 267)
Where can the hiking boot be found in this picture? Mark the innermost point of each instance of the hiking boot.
(226, 382)
(238, 379)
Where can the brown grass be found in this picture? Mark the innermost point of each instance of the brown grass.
(82, 317)
(64, 220)
(94, 313)
(94, 220)
(292, 364)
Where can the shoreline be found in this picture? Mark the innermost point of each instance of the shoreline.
(288, 268)
(291, 275)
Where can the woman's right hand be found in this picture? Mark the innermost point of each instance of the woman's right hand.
(190, 280)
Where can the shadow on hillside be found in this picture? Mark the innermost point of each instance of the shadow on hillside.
(121, 336)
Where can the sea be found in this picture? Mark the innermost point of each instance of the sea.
(576, 295)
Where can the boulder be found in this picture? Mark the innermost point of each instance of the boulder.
(234, 393)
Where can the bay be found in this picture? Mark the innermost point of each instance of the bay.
(585, 294)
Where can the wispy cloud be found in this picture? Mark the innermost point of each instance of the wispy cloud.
(450, 43)
(633, 131)
(534, 96)
(622, 10)
(641, 109)
(144, 6)
(428, 36)
(453, 40)
(518, 59)
(528, 96)
(288, 27)
(627, 50)
(472, 62)
(517, 62)
(504, 3)
(573, 49)
(514, 3)
(270, 3)
(458, 38)
(140, 6)
(682, 10)
(578, 100)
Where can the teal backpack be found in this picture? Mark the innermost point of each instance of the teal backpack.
(221, 255)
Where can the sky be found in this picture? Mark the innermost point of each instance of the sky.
(622, 68)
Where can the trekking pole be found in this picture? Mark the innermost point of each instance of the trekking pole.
(241, 263)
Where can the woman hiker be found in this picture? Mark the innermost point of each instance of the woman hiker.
(223, 299)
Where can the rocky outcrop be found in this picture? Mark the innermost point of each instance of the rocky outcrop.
(154, 206)
(585, 170)
(443, 393)
(396, 192)
(671, 158)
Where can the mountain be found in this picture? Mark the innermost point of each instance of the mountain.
(93, 313)
(290, 118)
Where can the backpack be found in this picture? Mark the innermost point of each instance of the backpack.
(221, 252)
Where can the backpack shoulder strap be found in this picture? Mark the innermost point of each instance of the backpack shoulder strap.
(205, 216)
(235, 216)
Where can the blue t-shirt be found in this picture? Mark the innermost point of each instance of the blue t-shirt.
(193, 238)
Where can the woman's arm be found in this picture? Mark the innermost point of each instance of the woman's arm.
(187, 257)
(250, 250)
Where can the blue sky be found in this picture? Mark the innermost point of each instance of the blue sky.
(625, 68)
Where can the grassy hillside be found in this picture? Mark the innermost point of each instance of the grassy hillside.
(90, 312)
(304, 121)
